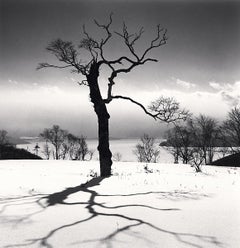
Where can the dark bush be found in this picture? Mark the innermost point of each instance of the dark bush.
(231, 161)
(11, 152)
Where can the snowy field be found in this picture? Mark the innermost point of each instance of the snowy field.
(58, 204)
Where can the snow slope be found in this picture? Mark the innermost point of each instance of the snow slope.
(49, 204)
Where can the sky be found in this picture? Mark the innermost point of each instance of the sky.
(199, 65)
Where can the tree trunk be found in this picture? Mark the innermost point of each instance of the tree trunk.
(56, 153)
(105, 155)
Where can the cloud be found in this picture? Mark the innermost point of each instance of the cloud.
(42, 100)
(184, 84)
(215, 86)
(13, 81)
(30, 109)
(42, 105)
(230, 93)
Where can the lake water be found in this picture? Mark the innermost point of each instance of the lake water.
(123, 146)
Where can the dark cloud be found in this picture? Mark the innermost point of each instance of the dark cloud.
(204, 37)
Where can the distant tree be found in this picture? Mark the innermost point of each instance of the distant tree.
(230, 130)
(117, 156)
(46, 150)
(194, 142)
(146, 150)
(76, 148)
(56, 136)
(36, 148)
(197, 158)
(205, 133)
(82, 151)
(68, 56)
(179, 143)
(3, 137)
(70, 146)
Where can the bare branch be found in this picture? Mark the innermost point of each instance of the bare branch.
(106, 28)
(158, 41)
(64, 51)
(117, 61)
(133, 101)
(163, 109)
(93, 46)
(133, 64)
(47, 65)
(167, 109)
(83, 82)
(137, 36)
(115, 73)
(89, 44)
(67, 54)
(130, 39)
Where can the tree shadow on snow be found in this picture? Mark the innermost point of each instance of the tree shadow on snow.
(94, 210)
(22, 201)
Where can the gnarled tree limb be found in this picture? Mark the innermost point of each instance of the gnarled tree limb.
(163, 109)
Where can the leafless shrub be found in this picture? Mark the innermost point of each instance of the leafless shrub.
(117, 156)
(146, 150)
(3, 137)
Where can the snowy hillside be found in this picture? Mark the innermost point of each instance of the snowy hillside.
(59, 204)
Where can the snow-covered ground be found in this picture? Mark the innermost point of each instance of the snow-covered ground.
(48, 204)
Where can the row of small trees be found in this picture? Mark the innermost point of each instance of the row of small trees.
(195, 141)
(63, 145)
(200, 138)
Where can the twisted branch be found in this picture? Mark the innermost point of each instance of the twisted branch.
(163, 109)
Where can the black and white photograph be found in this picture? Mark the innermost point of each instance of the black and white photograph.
(120, 123)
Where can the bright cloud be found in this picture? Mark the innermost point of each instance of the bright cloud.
(43, 105)
(230, 93)
(12, 81)
(215, 86)
(184, 84)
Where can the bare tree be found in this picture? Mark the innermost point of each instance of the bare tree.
(82, 151)
(205, 135)
(46, 150)
(179, 143)
(70, 146)
(3, 137)
(56, 136)
(197, 158)
(69, 57)
(196, 141)
(146, 150)
(230, 130)
(117, 156)
(76, 148)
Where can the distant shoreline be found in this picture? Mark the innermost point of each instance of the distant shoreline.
(28, 140)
